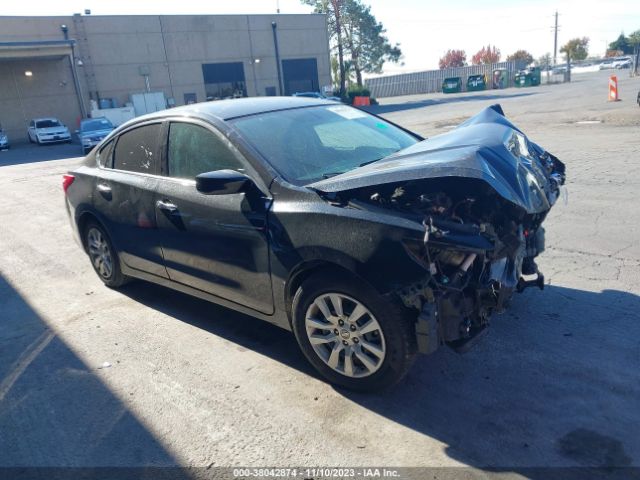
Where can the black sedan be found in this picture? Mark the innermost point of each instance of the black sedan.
(369, 242)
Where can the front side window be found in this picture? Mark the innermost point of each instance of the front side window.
(137, 149)
(308, 144)
(194, 150)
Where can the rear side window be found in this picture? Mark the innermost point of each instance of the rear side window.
(105, 155)
(194, 150)
(137, 150)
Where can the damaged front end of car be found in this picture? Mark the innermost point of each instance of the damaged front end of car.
(481, 193)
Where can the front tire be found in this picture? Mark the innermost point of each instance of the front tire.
(352, 335)
(104, 257)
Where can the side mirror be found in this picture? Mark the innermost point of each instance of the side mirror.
(222, 182)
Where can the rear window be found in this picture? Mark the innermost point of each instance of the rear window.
(137, 150)
(47, 124)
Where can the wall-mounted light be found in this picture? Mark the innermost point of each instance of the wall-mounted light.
(79, 63)
(256, 60)
(65, 31)
(28, 73)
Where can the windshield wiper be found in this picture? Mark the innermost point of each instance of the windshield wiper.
(370, 161)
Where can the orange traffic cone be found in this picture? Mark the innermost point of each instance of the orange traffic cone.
(613, 89)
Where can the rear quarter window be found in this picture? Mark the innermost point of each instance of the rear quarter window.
(105, 155)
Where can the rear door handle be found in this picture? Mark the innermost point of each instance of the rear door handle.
(166, 206)
(105, 190)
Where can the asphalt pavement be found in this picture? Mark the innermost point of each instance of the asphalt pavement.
(144, 376)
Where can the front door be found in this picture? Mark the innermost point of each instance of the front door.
(215, 243)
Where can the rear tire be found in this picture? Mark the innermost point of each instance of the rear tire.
(104, 257)
(361, 340)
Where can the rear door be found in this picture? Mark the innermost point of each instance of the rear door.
(215, 243)
(124, 195)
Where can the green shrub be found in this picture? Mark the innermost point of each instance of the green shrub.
(358, 91)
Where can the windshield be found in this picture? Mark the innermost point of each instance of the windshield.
(98, 124)
(308, 144)
(47, 124)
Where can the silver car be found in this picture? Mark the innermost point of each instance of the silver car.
(48, 130)
(92, 131)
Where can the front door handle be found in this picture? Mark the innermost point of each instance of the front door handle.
(166, 206)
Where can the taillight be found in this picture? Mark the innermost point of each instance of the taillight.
(67, 180)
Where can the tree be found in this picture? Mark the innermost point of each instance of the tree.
(366, 41)
(333, 9)
(576, 48)
(486, 55)
(622, 44)
(356, 36)
(544, 60)
(522, 56)
(453, 58)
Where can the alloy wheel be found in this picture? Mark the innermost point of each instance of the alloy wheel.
(100, 253)
(345, 335)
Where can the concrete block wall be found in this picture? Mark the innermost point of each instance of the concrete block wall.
(113, 49)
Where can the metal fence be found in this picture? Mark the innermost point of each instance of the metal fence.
(431, 81)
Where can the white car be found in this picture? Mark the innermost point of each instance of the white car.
(48, 130)
(626, 63)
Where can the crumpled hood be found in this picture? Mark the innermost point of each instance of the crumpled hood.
(487, 147)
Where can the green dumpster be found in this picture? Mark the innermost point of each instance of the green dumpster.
(476, 83)
(452, 85)
(529, 77)
(500, 78)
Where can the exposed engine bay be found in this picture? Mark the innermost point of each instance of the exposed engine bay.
(482, 212)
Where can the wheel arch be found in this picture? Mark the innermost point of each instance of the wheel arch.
(307, 269)
(83, 220)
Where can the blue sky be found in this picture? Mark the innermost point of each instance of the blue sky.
(424, 29)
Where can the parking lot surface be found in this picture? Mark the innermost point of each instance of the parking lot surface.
(146, 376)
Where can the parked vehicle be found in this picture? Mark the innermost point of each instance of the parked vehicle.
(626, 63)
(316, 95)
(4, 140)
(367, 241)
(606, 65)
(48, 130)
(92, 131)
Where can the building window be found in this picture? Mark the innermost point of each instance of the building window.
(224, 80)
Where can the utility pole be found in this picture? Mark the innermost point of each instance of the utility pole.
(555, 41)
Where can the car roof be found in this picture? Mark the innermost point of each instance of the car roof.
(239, 107)
(45, 119)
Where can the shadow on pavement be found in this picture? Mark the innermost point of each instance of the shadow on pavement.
(56, 412)
(399, 107)
(23, 153)
(554, 384)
